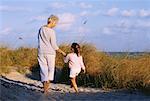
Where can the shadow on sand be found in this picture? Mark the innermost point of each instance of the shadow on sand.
(61, 75)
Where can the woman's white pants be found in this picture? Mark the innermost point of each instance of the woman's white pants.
(47, 66)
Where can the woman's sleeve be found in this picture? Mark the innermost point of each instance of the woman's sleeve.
(82, 63)
(53, 41)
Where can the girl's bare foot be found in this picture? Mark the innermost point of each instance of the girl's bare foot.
(71, 86)
(73, 81)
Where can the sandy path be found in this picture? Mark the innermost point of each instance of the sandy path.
(17, 87)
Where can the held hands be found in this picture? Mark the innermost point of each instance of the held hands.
(60, 51)
(84, 71)
(64, 54)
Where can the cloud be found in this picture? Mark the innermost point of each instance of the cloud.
(95, 13)
(106, 31)
(38, 18)
(6, 31)
(124, 26)
(143, 24)
(111, 12)
(128, 13)
(88, 13)
(6, 8)
(61, 5)
(115, 11)
(57, 5)
(83, 30)
(127, 26)
(85, 5)
(84, 13)
(139, 24)
(66, 20)
(144, 13)
(123, 23)
(78, 32)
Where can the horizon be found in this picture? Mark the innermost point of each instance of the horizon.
(99, 50)
(112, 26)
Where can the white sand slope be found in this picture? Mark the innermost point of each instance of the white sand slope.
(17, 87)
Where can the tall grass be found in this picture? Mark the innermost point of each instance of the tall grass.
(103, 70)
(20, 59)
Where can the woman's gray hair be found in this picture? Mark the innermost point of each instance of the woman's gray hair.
(53, 18)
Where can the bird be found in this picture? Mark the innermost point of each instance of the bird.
(85, 22)
(20, 38)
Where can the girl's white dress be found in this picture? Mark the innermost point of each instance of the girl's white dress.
(75, 64)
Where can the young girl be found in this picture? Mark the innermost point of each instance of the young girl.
(75, 64)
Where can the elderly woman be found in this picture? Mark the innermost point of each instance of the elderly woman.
(47, 48)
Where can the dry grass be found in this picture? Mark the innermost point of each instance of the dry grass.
(103, 70)
(20, 58)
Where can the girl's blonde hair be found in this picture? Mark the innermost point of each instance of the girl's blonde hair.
(53, 18)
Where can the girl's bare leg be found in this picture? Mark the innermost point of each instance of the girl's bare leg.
(73, 81)
(71, 86)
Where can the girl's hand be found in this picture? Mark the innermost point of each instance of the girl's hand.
(65, 55)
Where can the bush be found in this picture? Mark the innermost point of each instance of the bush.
(103, 70)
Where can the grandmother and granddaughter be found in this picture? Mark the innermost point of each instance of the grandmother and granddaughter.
(47, 48)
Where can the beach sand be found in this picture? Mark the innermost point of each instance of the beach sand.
(18, 87)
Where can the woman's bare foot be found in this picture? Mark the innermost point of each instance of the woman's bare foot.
(46, 87)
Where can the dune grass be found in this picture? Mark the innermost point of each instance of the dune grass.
(20, 59)
(103, 70)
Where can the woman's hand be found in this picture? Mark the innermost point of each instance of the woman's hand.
(64, 54)
(60, 51)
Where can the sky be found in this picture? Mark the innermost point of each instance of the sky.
(110, 25)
